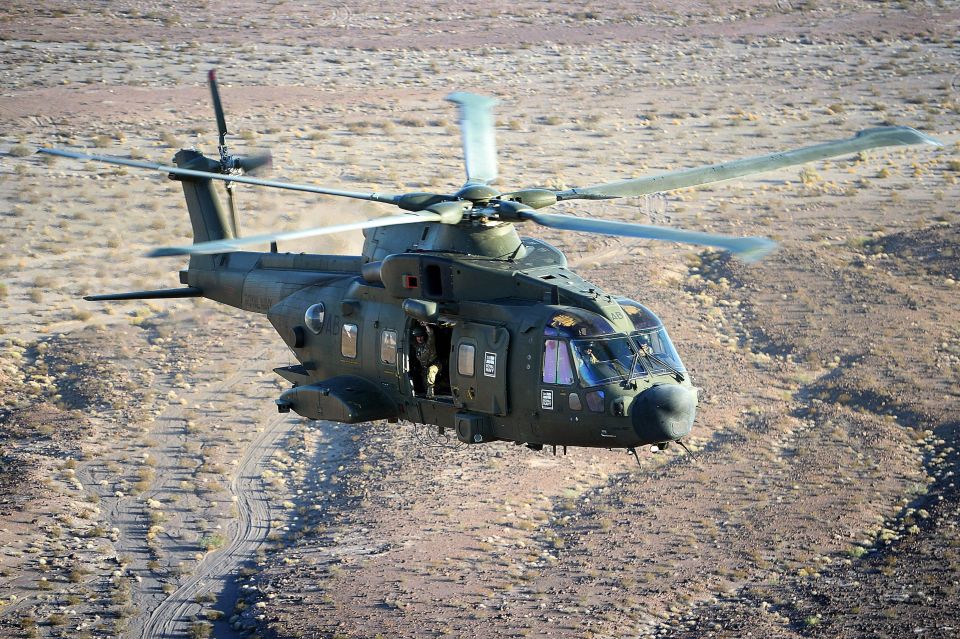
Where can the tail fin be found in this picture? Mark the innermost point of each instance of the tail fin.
(206, 214)
(206, 273)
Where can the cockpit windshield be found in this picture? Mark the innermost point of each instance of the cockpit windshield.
(649, 335)
(657, 353)
(601, 354)
(603, 359)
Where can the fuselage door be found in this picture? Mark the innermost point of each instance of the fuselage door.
(478, 367)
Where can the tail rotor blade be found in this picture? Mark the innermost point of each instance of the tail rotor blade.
(234, 217)
(251, 163)
(217, 105)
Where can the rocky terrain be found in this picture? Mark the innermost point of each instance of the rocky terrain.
(149, 488)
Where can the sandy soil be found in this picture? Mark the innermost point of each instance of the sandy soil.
(148, 488)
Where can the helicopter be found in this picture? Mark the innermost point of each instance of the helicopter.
(523, 349)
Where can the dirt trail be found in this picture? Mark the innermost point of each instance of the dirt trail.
(152, 530)
(254, 513)
(251, 501)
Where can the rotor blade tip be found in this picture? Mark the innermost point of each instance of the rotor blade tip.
(897, 135)
(919, 137)
(932, 141)
(166, 251)
(755, 249)
(465, 97)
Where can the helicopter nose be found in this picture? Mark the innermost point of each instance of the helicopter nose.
(664, 413)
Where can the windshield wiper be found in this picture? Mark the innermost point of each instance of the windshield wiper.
(633, 365)
(643, 350)
(616, 363)
(676, 373)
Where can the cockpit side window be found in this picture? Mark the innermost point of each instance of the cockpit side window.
(557, 367)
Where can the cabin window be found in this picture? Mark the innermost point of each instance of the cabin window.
(388, 347)
(313, 318)
(574, 402)
(557, 368)
(348, 341)
(465, 359)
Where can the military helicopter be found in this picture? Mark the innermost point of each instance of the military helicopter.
(526, 350)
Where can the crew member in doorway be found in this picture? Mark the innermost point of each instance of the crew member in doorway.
(426, 345)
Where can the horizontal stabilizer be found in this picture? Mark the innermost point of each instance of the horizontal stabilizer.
(159, 294)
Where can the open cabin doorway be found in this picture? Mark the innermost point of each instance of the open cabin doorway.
(443, 336)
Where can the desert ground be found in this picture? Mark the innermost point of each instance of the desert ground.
(149, 488)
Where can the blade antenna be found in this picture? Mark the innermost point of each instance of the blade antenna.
(479, 140)
(689, 454)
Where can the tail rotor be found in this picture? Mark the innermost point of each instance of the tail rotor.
(232, 164)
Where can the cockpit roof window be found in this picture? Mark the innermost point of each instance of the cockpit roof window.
(574, 323)
(642, 317)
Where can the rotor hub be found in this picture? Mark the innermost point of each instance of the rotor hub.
(477, 193)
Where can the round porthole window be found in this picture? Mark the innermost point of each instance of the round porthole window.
(313, 318)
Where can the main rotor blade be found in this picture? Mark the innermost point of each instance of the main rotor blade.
(749, 249)
(868, 139)
(217, 105)
(479, 141)
(236, 244)
(109, 159)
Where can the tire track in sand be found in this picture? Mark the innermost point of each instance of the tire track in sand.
(253, 521)
(170, 614)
